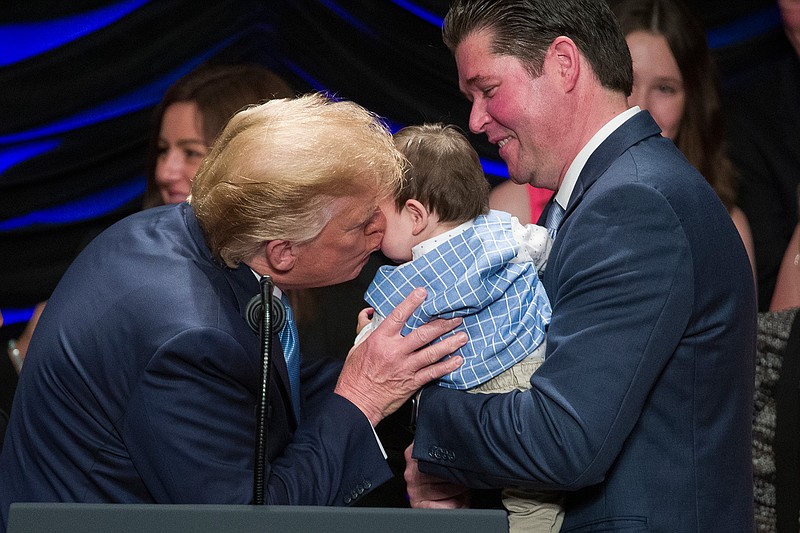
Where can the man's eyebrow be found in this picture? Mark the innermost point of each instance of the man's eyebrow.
(470, 82)
(365, 218)
(477, 78)
(369, 213)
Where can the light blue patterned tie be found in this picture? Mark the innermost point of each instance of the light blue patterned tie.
(554, 217)
(291, 352)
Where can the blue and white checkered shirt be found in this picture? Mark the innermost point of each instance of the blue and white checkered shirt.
(471, 275)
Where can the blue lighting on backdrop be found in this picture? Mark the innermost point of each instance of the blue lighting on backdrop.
(17, 154)
(420, 12)
(495, 168)
(142, 98)
(343, 14)
(132, 102)
(25, 40)
(92, 206)
(22, 41)
(298, 71)
(744, 29)
(16, 315)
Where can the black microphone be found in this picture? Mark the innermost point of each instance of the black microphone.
(254, 313)
(261, 317)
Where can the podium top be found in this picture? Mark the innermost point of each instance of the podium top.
(130, 518)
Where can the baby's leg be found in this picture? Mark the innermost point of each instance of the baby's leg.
(528, 511)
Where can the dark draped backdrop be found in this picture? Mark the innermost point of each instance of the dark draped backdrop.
(79, 80)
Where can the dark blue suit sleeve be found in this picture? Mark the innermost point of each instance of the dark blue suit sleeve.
(189, 428)
(621, 301)
(318, 377)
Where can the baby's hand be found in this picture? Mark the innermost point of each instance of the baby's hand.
(364, 318)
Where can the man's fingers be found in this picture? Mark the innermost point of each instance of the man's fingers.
(431, 366)
(446, 346)
(428, 361)
(434, 352)
(434, 329)
(435, 504)
(396, 366)
(424, 334)
(400, 314)
(431, 372)
(429, 492)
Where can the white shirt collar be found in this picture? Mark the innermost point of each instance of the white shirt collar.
(275, 290)
(429, 244)
(575, 168)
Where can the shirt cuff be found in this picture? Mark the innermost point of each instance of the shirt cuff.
(378, 440)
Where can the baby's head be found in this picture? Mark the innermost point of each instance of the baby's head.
(443, 187)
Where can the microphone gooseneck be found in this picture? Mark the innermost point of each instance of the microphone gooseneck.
(265, 326)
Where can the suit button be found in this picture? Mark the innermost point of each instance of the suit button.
(431, 451)
(354, 494)
(367, 483)
(347, 499)
(360, 489)
(451, 455)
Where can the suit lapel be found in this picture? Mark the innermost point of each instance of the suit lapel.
(635, 129)
(244, 286)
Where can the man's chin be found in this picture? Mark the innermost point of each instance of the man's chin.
(513, 177)
(526, 179)
(354, 272)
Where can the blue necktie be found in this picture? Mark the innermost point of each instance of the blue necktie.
(554, 217)
(291, 352)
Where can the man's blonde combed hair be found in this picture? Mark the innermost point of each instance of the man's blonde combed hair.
(276, 168)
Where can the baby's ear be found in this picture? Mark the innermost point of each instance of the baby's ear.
(419, 215)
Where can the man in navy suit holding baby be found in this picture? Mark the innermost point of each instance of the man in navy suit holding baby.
(641, 412)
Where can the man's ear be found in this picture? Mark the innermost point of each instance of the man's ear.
(419, 216)
(280, 255)
(567, 60)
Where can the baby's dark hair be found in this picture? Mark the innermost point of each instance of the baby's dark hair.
(443, 172)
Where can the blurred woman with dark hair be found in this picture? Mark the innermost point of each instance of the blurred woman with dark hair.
(192, 113)
(675, 78)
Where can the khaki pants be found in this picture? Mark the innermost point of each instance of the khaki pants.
(528, 511)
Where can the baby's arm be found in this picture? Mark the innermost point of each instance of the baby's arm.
(363, 318)
(367, 321)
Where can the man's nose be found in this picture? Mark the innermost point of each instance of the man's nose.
(379, 222)
(478, 118)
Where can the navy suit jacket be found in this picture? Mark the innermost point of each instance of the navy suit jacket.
(142, 378)
(642, 410)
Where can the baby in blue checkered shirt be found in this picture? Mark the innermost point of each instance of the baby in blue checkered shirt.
(475, 263)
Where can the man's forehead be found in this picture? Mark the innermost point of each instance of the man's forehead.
(353, 210)
(473, 56)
